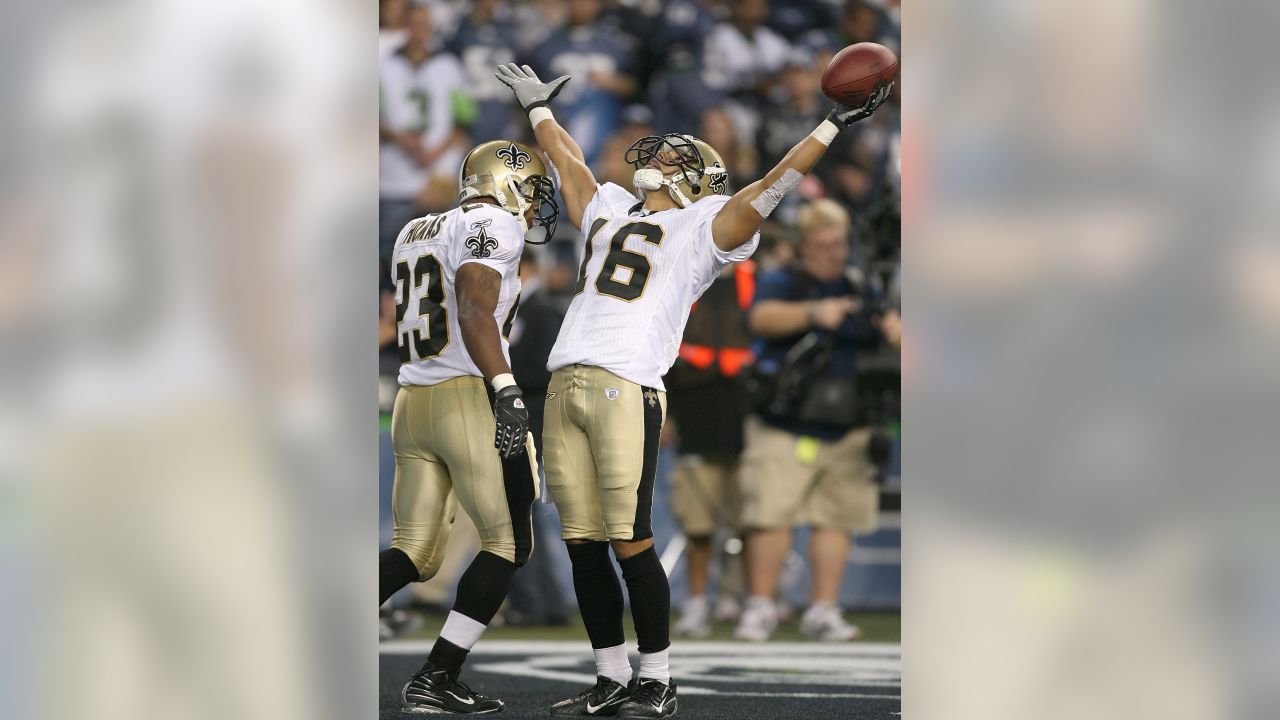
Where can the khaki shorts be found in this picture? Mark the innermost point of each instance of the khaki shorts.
(788, 481)
(704, 494)
(443, 440)
(600, 447)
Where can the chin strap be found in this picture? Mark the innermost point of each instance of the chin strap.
(647, 180)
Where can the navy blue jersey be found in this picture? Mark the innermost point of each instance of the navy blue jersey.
(482, 47)
(589, 114)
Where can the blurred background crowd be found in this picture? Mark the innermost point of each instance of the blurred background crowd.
(744, 76)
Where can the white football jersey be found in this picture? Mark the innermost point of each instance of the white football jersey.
(640, 275)
(419, 99)
(424, 263)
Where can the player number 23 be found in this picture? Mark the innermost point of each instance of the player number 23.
(619, 257)
(413, 346)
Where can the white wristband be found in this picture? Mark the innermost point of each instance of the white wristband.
(825, 133)
(502, 381)
(539, 114)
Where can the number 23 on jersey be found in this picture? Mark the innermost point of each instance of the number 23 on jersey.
(414, 345)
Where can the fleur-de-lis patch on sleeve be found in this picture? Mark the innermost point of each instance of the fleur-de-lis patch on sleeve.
(480, 244)
(513, 157)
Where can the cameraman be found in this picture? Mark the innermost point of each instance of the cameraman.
(807, 454)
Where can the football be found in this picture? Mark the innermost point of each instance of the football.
(855, 72)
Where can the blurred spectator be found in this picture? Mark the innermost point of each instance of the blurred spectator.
(716, 128)
(776, 250)
(612, 166)
(601, 61)
(677, 90)
(795, 18)
(393, 26)
(864, 22)
(424, 106)
(537, 20)
(535, 597)
(739, 60)
(893, 14)
(388, 352)
(808, 459)
(560, 280)
(707, 409)
(793, 110)
(486, 38)
(862, 166)
(533, 333)
(678, 30)
(742, 53)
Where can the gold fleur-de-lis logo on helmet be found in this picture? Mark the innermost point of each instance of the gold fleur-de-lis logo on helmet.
(514, 157)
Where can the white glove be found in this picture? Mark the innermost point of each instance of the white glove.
(530, 91)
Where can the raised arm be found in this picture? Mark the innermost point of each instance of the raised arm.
(478, 287)
(577, 184)
(739, 219)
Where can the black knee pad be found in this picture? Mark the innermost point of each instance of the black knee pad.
(641, 564)
(395, 570)
(484, 586)
(589, 557)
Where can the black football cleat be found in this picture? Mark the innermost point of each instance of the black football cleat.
(601, 700)
(433, 691)
(649, 698)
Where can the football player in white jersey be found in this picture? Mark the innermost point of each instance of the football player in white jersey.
(459, 426)
(647, 259)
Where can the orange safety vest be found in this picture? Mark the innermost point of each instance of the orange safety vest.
(731, 359)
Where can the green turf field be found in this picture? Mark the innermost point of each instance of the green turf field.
(876, 627)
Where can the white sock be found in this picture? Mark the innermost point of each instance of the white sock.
(759, 602)
(461, 630)
(654, 665)
(612, 662)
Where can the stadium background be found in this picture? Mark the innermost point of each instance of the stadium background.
(642, 67)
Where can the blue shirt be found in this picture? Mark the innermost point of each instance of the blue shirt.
(482, 47)
(589, 114)
(856, 332)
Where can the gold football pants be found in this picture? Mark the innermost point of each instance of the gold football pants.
(600, 446)
(443, 440)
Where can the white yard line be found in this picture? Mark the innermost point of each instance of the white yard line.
(849, 666)
(521, 669)
(580, 647)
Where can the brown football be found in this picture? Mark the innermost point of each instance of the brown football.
(856, 71)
